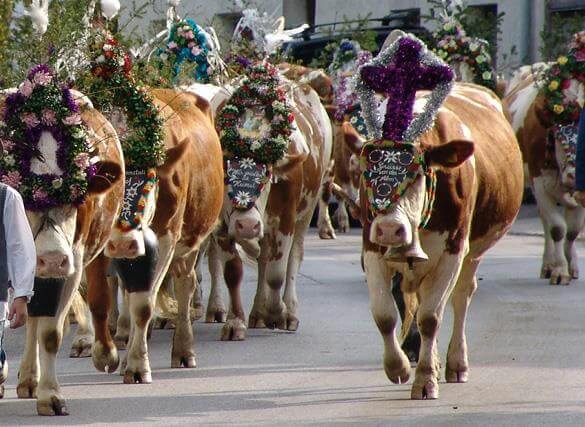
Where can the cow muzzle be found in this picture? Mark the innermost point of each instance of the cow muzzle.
(54, 265)
(126, 245)
(247, 228)
(390, 233)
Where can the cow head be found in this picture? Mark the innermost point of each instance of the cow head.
(248, 185)
(127, 239)
(399, 190)
(55, 229)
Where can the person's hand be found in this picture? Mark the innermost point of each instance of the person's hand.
(18, 312)
(579, 196)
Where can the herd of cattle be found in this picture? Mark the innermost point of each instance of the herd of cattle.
(477, 146)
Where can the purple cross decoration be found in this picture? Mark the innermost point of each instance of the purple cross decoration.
(400, 80)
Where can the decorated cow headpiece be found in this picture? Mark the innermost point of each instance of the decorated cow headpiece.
(454, 46)
(563, 77)
(393, 161)
(254, 127)
(45, 144)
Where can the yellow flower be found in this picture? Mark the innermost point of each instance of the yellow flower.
(558, 109)
(562, 60)
(554, 85)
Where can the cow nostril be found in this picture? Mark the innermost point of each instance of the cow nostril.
(111, 247)
(257, 227)
(239, 225)
(64, 263)
(400, 231)
(133, 246)
(379, 231)
(41, 262)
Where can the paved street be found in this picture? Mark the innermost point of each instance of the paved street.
(526, 341)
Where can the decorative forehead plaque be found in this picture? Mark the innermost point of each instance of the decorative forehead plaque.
(245, 180)
(139, 186)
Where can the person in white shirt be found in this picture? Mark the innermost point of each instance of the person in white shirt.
(17, 267)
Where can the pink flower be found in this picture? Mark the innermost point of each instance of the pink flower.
(7, 144)
(74, 119)
(82, 160)
(196, 50)
(30, 119)
(49, 117)
(189, 35)
(191, 45)
(580, 55)
(13, 179)
(42, 78)
(40, 195)
(75, 192)
(172, 45)
(27, 88)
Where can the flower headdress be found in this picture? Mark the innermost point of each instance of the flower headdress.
(43, 106)
(392, 161)
(454, 45)
(558, 79)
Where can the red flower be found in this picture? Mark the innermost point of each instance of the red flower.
(291, 118)
(565, 84)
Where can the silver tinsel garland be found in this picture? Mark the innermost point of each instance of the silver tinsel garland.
(424, 121)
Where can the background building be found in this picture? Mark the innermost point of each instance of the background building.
(521, 27)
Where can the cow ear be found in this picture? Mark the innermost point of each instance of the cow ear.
(108, 173)
(173, 156)
(449, 155)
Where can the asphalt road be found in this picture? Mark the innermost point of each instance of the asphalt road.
(526, 342)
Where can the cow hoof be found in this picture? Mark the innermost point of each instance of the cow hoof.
(398, 374)
(560, 279)
(105, 359)
(137, 377)
(123, 365)
(292, 323)
(121, 341)
(343, 228)
(51, 407)
(216, 315)
(575, 273)
(327, 234)
(27, 389)
(545, 272)
(197, 312)
(2, 391)
(429, 391)
(255, 321)
(159, 323)
(81, 347)
(169, 325)
(187, 361)
(234, 330)
(456, 376)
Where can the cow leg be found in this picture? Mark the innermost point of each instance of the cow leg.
(548, 256)
(216, 311)
(383, 308)
(185, 280)
(434, 291)
(141, 303)
(556, 229)
(574, 219)
(114, 310)
(99, 295)
(123, 324)
(276, 275)
(28, 373)
(257, 317)
(84, 335)
(410, 337)
(457, 368)
(324, 225)
(50, 334)
(342, 217)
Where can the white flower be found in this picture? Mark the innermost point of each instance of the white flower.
(256, 144)
(107, 47)
(247, 163)
(486, 75)
(473, 47)
(9, 160)
(448, 26)
(453, 44)
(79, 133)
(121, 61)
(2, 124)
(100, 59)
(80, 175)
(243, 197)
(57, 183)
(164, 56)
(480, 59)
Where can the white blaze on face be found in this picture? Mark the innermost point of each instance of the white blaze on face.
(130, 244)
(398, 226)
(248, 224)
(54, 232)
(47, 164)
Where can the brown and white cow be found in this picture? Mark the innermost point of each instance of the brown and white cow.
(550, 171)
(347, 143)
(68, 240)
(273, 230)
(478, 195)
(188, 201)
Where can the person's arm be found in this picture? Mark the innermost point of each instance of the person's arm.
(20, 248)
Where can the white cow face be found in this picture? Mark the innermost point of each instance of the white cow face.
(398, 226)
(246, 224)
